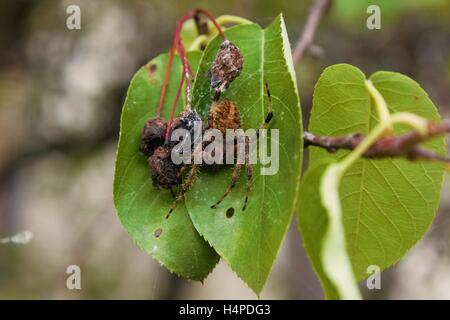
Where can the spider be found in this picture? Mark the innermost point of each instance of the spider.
(225, 115)
(155, 142)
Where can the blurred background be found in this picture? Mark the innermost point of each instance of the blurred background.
(61, 93)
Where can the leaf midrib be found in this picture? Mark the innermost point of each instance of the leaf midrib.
(263, 178)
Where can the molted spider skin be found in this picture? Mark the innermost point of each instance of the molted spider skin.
(153, 135)
(165, 174)
(227, 65)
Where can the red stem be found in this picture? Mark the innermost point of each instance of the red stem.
(175, 45)
(174, 106)
(187, 71)
(166, 82)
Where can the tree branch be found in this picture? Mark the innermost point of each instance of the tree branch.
(388, 146)
(306, 38)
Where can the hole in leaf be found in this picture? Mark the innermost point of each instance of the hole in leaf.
(157, 232)
(151, 72)
(152, 68)
(230, 212)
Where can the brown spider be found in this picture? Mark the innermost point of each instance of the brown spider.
(225, 115)
(155, 144)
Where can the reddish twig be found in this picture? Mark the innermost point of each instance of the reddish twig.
(305, 39)
(389, 146)
(174, 106)
(187, 71)
(166, 82)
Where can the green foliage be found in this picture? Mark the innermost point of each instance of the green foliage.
(370, 214)
(141, 208)
(250, 239)
(387, 204)
(354, 13)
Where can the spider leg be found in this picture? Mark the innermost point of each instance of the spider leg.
(182, 170)
(234, 178)
(269, 115)
(180, 175)
(185, 187)
(248, 174)
(248, 165)
(248, 189)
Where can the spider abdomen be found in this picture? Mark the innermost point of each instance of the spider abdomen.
(224, 115)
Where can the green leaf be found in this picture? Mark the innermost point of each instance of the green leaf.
(387, 204)
(141, 208)
(250, 239)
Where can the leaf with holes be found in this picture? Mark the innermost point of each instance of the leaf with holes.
(249, 240)
(387, 204)
(173, 242)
